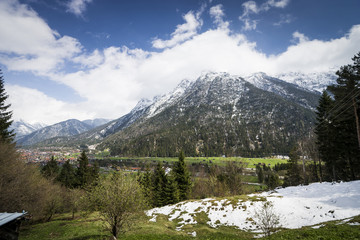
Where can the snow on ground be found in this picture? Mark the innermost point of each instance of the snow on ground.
(297, 206)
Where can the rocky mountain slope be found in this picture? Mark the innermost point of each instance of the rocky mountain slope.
(66, 128)
(316, 82)
(96, 122)
(22, 128)
(220, 114)
(217, 114)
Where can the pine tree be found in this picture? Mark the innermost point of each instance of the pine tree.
(67, 175)
(340, 130)
(83, 171)
(158, 189)
(182, 177)
(94, 173)
(171, 190)
(5, 115)
(346, 94)
(51, 169)
(293, 176)
(260, 173)
(146, 185)
(326, 133)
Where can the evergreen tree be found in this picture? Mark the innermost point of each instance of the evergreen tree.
(67, 175)
(159, 185)
(51, 169)
(5, 115)
(260, 173)
(145, 180)
(293, 176)
(94, 173)
(182, 177)
(326, 133)
(339, 132)
(83, 171)
(272, 179)
(171, 190)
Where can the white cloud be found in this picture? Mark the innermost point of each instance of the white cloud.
(77, 7)
(250, 24)
(251, 7)
(217, 12)
(299, 37)
(182, 33)
(28, 43)
(34, 106)
(273, 3)
(112, 80)
(284, 19)
(316, 55)
(89, 60)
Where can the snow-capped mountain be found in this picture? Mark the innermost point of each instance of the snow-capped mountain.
(218, 113)
(283, 88)
(66, 128)
(159, 103)
(317, 81)
(96, 122)
(22, 128)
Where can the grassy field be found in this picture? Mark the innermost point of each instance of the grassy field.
(91, 227)
(249, 162)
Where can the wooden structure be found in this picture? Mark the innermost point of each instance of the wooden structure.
(10, 225)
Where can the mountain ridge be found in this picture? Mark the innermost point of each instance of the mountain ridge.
(147, 110)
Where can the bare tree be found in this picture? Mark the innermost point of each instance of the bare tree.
(267, 219)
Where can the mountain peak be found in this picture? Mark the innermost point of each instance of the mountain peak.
(210, 76)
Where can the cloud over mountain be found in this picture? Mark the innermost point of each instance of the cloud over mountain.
(111, 80)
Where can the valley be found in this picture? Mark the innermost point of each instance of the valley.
(201, 119)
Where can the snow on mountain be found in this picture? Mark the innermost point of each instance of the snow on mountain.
(214, 89)
(317, 81)
(297, 207)
(66, 128)
(142, 104)
(22, 128)
(282, 88)
(96, 122)
(161, 102)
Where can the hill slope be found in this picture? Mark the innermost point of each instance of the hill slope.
(297, 207)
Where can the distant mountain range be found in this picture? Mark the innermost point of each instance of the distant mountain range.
(21, 128)
(217, 114)
(63, 129)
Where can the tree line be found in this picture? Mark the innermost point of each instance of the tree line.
(161, 188)
(70, 177)
(337, 128)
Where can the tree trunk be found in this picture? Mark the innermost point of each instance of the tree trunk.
(320, 169)
(114, 228)
(357, 121)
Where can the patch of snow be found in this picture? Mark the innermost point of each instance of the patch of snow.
(193, 234)
(318, 226)
(297, 206)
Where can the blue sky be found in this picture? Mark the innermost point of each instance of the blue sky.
(96, 58)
